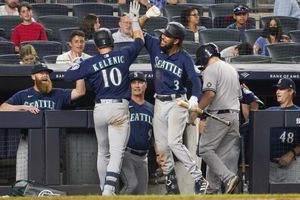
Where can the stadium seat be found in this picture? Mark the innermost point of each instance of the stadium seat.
(81, 10)
(142, 59)
(10, 59)
(155, 23)
(284, 52)
(8, 23)
(64, 37)
(224, 21)
(219, 34)
(90, 48)
(251, 35)
(56, 22)
(7, 47)
(224, 44)
(204, 21)
(176, 9)
(222, 9)
(125, 8)
(119, 45)
(191, 47)
(288, 23)
(2, 32)
(50, 59)
(250, 59)
(43, 9)
(44, 48)
(295, 35)
(108, 21)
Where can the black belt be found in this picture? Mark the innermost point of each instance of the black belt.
(167, 97)
(109, 101)
(136, 152)
(224, 111)
(274, 160)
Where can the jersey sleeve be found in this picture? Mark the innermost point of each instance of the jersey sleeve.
(133, 50)
(65, 94)
(78, 71)
(193, 76)
(210, 79)
(149, 40)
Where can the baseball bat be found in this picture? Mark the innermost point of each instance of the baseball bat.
(186, 105)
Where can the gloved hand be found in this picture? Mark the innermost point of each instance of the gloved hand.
(153, 12)
(193, 104)
(134, 9)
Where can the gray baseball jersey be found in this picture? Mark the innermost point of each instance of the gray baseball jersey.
(219, 144)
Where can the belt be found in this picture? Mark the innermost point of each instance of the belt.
(274, 160)
(167, 97)
(223, 111)
(109, 101)
(136, 152)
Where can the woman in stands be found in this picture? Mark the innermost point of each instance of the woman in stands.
(190, 18)
(89, 25)
(271, 34)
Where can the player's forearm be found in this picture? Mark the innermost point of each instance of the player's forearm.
(79, 90)
(206, 99)
(142, 20)
(9, 107)
(196, 87)
(297, 150)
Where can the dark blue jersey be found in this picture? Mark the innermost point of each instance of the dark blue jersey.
(140, 125)
(283, 140)
(107, 73)
(56, 99)
(171, 72)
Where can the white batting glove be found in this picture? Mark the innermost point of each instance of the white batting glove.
(153, 12)
(134, 9)
(193, 103)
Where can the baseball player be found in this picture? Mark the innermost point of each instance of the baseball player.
(171, 67)
(285, 143)
(107, 74)
(39, 97)
(134, 172)
(219, 143)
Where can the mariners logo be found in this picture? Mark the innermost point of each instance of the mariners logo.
(75, 66)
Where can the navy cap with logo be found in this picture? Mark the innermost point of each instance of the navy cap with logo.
(40, 68)
(137, 76)
(240, 9)
(286, 83)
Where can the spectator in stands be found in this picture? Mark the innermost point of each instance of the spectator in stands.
(190, 18)
(28, 55)
(10, 8)
(89, 25)
(240, 15)
(288, 8)
(39, 97)
(27, 30)
(272, 33)
(125, 30)
(241, 49)
(77, 44)
(285, 146)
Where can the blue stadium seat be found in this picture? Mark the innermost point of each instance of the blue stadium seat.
(224, 44)
(7, 47)
(295, 35)
(190, 47)
(44, 48)
(50, 59)
(284, 52)
(8, 23)
(10, 59)
(109, 21)
(251, 35)
(250, 59)
(81, 10)
(219, 34)
(42, 9)
(222, 9)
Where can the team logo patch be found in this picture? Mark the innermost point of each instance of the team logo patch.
(209, 84)
(75, 66)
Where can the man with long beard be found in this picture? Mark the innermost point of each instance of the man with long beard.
(34, 99)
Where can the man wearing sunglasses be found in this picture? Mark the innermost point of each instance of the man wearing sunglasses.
(241, 15)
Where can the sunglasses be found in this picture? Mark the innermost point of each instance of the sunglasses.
(241, 9)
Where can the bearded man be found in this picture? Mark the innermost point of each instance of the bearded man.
(39, 97)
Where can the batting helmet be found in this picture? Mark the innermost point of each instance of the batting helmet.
(205, 52)
(174, 30)
(103, 38)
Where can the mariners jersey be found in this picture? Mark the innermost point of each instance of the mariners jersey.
(140, 125)
(283, 140)
(56, 99)
(171, 72)
(107, 74)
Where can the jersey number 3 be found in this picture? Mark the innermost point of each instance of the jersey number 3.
(112, 77)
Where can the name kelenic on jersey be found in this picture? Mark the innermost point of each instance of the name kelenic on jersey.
(115, 60)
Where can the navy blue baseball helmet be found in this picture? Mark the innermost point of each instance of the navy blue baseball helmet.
(174, 30)
(205, 52)
(103, 38)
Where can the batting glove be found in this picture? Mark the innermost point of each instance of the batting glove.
(134, 9)
(193, 103)
(153, 12)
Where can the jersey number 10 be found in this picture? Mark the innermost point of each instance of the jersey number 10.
(113, 77)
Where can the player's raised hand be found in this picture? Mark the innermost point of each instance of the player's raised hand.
(134, 9)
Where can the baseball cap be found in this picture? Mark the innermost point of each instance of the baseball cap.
(286, 83)
(240, 9)
(137, 76)
(40, 68)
